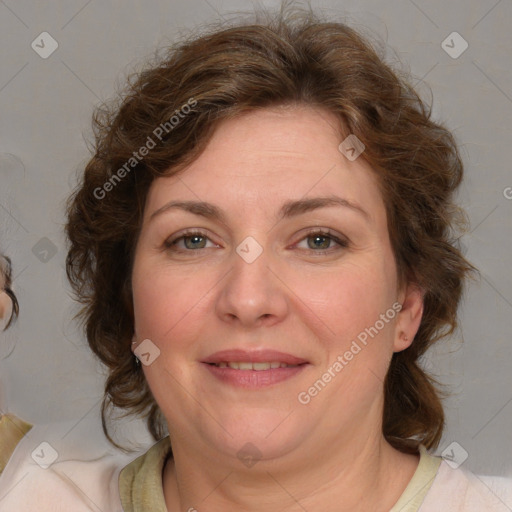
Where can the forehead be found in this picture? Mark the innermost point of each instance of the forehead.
(273, 155)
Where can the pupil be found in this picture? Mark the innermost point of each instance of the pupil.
(193, 240)
(322, 246)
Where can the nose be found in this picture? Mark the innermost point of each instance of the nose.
(252, 295)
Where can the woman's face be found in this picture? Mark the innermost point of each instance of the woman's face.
(260, 279)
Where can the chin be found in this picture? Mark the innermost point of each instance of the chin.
(260, 434)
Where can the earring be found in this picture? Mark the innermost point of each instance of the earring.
(406, 338)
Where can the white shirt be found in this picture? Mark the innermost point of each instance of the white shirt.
(86, 478)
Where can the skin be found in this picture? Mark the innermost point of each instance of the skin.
(329, 454)
(5, 303)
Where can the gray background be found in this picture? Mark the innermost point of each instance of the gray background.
(47, 373)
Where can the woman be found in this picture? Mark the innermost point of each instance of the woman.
(12, 429)
(263, 243)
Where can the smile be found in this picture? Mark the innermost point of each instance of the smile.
(253, 375)
(235, 365)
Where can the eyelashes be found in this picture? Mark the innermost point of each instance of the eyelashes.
(172, 243)
(195, 240)
(326, 235)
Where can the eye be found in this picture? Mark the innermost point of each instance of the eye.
(188, 241)
(320, 242)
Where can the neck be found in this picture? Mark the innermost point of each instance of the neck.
(366, 474)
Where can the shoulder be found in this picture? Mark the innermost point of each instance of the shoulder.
(12, 431)
(464, 491)
(140, 482)
(55, 469)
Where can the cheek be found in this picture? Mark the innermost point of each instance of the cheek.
(348, 299)
(167, 302)
(350, 302)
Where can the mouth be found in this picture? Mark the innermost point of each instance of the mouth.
(253, 370)
(246, 357)
(258, 367)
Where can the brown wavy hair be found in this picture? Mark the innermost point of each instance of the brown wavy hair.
(289, 58)
(6, 271)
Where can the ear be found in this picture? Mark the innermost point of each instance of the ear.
(409, 317)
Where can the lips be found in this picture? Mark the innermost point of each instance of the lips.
(257, 356)
(255, 369)
(258, 367)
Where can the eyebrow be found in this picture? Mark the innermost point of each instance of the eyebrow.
(288, 210)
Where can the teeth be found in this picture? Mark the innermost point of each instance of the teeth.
(261, 366)
(240, 365)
